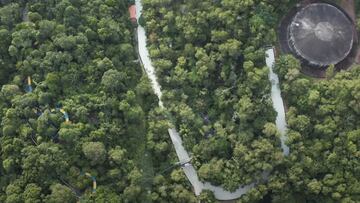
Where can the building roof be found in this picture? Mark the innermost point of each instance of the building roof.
(132, 11)
(321, 34)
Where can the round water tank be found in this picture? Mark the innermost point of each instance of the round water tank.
(321, 34)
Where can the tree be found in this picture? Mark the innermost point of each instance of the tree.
(72, 16)
(41, 163)
(109, 30)
(46, 29)
(59, 194)
(270, 130)
(207, 196)
(117, 155)
(230, 47)
(314, 186)
(95, 152)
(287, 65)
(103, 194)
(69, 134)
(330, 71)
(67, 47)
(10, 91)
(14, 193)
(32, 194)
(53, 82)
(10, 14)
(113, 81)
(132, 193)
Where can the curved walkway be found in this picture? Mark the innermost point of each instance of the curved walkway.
(190, 172)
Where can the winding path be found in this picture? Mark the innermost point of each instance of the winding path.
(182, 154)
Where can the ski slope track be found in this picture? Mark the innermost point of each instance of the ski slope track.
(190, 172)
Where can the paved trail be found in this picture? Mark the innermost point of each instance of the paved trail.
(182, 154)
(277, 100)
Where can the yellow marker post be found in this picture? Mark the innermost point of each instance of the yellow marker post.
(66, 115)
(94, 181)
(29, 80)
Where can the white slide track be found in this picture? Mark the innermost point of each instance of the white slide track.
(183, 155)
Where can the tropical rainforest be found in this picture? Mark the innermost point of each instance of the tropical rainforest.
(209, 58)
(81, 58)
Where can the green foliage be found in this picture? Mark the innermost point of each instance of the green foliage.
(322, 121)
(95, 152)
(60, 193)
(209, 58)
(112, 81)
(207, 197)
(80, 56)
(32, 194)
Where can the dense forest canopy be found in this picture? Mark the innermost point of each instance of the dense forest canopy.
(209, 57)
(81, 57)
(323, 133)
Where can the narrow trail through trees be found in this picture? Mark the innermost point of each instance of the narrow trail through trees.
(182, 154)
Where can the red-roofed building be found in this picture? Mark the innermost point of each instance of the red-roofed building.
(132, 11)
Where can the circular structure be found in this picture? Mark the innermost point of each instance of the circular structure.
(321, 34)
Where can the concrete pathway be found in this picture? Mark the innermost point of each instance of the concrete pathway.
(277, 100)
